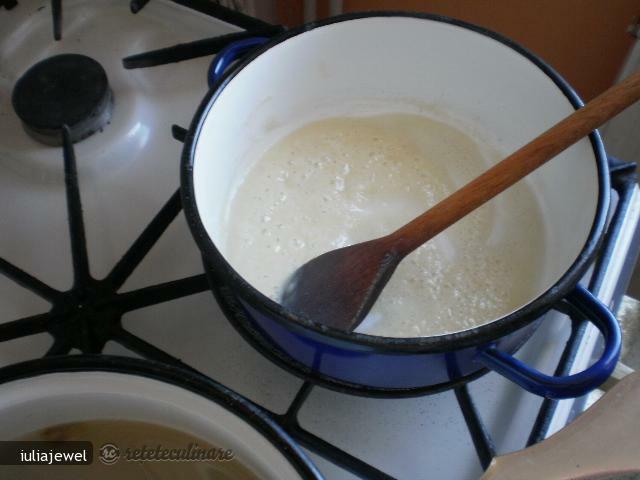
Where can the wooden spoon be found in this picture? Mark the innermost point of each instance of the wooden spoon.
(603, 442)
(339, 287)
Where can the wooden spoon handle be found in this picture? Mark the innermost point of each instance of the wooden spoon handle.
(517, 165)
(603, 440)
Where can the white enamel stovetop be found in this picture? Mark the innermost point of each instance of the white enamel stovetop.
(128, 171)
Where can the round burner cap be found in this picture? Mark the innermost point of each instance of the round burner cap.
(68, 89)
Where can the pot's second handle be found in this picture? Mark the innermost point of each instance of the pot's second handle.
(569, 386)
(229, 54)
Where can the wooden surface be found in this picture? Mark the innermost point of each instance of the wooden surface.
(585, 40)
(602, 441)
(290, 12)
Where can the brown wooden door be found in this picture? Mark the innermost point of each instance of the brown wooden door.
(585, 40)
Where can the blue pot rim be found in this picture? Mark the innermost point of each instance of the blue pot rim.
(476, 336)
(176, 376)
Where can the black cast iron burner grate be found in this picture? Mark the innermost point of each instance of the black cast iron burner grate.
(89, 315)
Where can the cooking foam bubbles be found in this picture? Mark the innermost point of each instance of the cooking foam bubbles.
(343, 180)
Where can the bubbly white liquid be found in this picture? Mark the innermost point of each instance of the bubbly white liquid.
(344, 180)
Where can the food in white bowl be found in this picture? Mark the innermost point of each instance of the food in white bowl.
(141, 450)
(126, 404)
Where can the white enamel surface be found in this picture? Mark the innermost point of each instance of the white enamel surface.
(38, 402)
(381, 64)
(122, 188)
(142, 98)
(126, 173)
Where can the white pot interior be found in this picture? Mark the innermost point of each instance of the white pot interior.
(34, 403)
(363, 65)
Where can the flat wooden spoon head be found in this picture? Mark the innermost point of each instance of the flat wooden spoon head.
(339, 287)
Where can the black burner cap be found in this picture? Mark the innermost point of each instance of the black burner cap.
(66, 89)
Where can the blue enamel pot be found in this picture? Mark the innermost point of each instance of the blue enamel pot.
(436, 61)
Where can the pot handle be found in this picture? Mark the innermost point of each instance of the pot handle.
(229, 54)
(569, 386)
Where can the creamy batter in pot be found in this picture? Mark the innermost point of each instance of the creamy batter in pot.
(342, 180)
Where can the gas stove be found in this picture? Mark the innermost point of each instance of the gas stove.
(98, 258)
